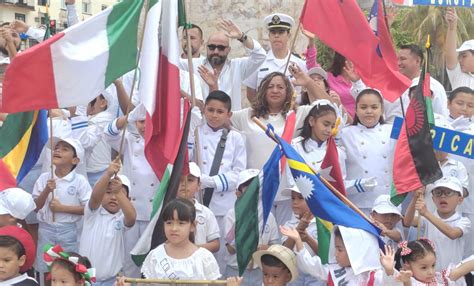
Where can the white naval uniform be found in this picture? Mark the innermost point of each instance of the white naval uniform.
(369, 153)
(144, 184)
(272, 64)
(232, 74)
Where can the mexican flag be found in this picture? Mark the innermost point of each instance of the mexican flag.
(74, 66)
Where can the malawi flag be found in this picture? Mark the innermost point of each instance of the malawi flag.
(159, 92)
(376, 64)
(74, 66)
(415, 164)
(23, 136)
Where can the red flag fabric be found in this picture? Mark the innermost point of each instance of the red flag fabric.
(330, 168)
(6, 178)
(372, 55)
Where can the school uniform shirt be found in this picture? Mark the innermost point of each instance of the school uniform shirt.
(71, 190)
(143, 180)
(312, 231)
(102, 241)
(272, 64)
(459, 78)
(22, 280)
(234, 160)
(232, 74)
(269, 236)
(206, 225)
(89, 131)
(447, 250)
(369, 153)
(201, 265)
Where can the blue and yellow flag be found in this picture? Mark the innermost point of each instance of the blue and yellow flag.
(321, 201)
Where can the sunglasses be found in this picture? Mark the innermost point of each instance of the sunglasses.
(443, 192)
(212, 47)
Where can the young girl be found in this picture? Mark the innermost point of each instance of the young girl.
(416, 262)
(354, 259)
(369, 151)
(67, 268)
(179, 257)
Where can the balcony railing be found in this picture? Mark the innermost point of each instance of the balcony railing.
(27, 4)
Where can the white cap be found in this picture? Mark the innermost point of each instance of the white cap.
(71, 141)
(287, 191)
(246, 175)
(449, 182)
(466, 46)
(318, 71)
(125, 181)
(279, 20)
(383, 205)
(137, 114)
(16, 202)
(194, 170)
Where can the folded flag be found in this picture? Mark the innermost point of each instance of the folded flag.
(76, 65)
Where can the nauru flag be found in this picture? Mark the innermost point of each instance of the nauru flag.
(76, 65)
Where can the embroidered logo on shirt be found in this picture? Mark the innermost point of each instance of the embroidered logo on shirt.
(117, 225)
(200, 219)
(71, 190)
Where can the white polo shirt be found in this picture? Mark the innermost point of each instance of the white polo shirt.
(207, 228)
(447, 250)
(459, 78)
(71, 190)
(102, 241)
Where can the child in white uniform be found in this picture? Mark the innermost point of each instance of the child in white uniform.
(445, 227)
(207, 231)
(354, 259)
(178, 257)
(386, 216)
(416, 262)
(369, 151)
(108, 214)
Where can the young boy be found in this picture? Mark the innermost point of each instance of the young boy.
(89, 129)
(60, 199)
(386, 216)
(268, 234)
(278, 265)
(17, 255)
(207, 231)
(15, 205)
(143, 181)
(219, 179)
(107, 216)
(445, 227)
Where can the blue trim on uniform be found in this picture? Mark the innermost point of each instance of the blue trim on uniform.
(222, 182)
(358, 186)
(79, 125)
(226, 183)
(111, 131)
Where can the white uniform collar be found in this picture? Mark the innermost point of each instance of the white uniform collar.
(271, 56)
(362, 126)
(454, 217)
(313, 145)
(69, 177)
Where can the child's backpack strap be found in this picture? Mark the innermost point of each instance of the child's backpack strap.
(216, 163)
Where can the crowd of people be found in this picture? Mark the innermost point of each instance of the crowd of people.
(76, 223)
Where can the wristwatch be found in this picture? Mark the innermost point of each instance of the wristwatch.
(243, 38)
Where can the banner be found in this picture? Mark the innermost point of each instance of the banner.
(458, 3)
(446, 140)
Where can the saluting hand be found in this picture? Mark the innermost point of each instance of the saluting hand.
(230, 29)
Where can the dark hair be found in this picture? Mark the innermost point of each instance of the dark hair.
(305, 96)
(221, 96)
(273, 261)
(359, 96)
(414, 50)
(185, 209)
(194, 26)
(419, 249)
(316, 112)
(464, 89)
(71, 267)
(337, 232)
(12, 244)
(338, 64)
(260, 105)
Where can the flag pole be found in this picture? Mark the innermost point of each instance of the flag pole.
(330, 187)
(51, 145)
(189, 53)
(292, 46)
(135, 75)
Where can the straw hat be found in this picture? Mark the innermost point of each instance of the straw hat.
(284, 254)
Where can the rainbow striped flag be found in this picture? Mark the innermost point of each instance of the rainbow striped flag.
(23, 137)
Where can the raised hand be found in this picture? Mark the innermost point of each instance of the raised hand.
(230, 29)
(301, 78)
(290, 232)
(451, 18)
(420, 205)
(387, 259)
(210, 77)
(19, 26)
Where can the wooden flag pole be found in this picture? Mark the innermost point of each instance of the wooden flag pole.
(292, 47)
(51, 145)
(175, 282)
(135, 75)
(330, 187)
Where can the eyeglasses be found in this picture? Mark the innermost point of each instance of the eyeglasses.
(212, 47)
(443, 192)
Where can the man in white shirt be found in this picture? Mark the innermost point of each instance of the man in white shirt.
(229, 73)
(196, 37)
(459, 62)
